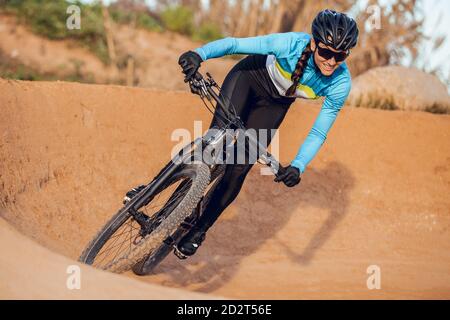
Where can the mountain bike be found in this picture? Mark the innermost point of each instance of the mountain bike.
(149, 226)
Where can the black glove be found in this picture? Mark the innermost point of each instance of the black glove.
(289, 175)
(190, 63)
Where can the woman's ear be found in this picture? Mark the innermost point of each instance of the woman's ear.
(313, 45)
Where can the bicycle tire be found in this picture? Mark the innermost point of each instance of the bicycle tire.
(149, 262)
(199, 174)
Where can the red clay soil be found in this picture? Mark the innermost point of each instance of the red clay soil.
(377, 194)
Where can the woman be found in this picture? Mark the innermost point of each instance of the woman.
(280, 67)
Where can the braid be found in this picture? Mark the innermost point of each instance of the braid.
(299, 68)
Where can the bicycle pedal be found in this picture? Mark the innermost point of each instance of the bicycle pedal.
(179, 254)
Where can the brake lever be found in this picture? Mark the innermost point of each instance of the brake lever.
(194, 88)
(205, 90)
(275, 166)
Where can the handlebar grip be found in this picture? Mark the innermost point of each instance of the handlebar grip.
(198, 76)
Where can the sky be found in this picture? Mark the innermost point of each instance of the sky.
(437, 23)
(433, 10)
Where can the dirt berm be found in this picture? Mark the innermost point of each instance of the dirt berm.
(377, 194)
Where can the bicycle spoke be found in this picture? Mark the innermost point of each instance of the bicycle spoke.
(114, 245)
(125, 238)
(118, 251)
(98, 262)
(109, 250)
(110, 247)
(117, 235)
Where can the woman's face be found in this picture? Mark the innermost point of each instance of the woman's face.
(326, 64)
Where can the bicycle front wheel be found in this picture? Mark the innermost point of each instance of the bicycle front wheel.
(123, 241)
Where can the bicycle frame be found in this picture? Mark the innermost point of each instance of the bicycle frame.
(213, 138)
(205, 89)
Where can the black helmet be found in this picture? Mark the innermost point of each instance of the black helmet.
(335, 29)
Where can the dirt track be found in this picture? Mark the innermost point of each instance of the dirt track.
(377, 194)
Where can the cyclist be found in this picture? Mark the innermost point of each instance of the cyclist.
(278, 69)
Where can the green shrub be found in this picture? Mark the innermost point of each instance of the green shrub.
(20, 72)
(207, 32)
(11, 69)
(143, 20)
(120, 16)
(178, 19)
(48, 18)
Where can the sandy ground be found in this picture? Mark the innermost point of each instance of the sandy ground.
(30, 271)
(377, 194)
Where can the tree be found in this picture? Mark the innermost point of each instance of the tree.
(399, 36)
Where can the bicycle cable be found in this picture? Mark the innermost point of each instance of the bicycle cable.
(232, 108)
(217, 110)
(218, 116)
(227, 101)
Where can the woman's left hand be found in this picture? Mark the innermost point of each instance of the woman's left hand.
(289, 175)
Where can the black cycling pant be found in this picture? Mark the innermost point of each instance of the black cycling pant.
(251, 91)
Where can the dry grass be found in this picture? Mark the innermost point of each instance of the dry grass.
(438, 108)
(377, 101)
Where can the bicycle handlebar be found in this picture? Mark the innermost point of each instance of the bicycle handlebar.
(204, 88)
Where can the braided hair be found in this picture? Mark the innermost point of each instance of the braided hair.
(299, 68)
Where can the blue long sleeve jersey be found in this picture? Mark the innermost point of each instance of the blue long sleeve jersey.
(284, 50)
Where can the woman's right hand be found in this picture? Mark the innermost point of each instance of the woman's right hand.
(190, 62)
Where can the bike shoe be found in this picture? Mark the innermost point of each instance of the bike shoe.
(132, 193)
(189, 244)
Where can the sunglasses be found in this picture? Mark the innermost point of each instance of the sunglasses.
(328, 54)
